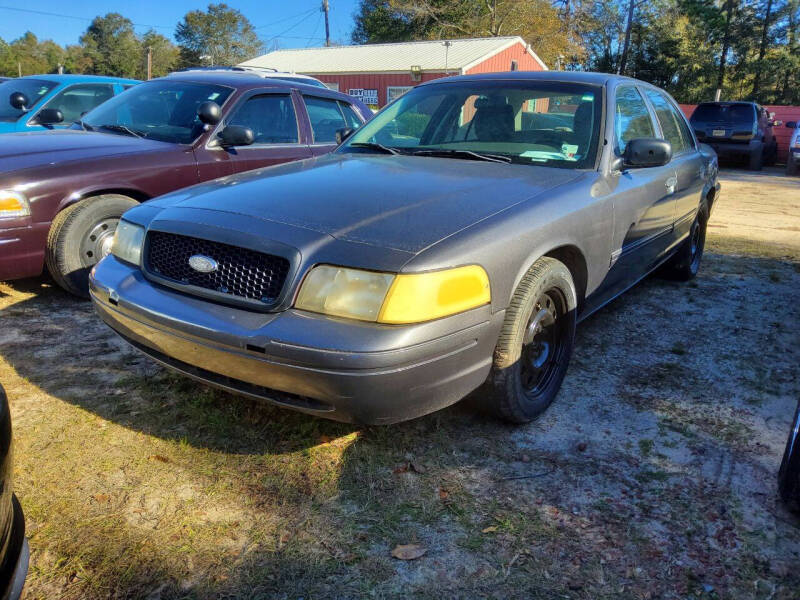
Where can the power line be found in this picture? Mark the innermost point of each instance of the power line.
(284, 19)
(63, 16)
(285, 31)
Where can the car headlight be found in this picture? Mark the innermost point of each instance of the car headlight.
(13, 205)
(390, 298)
(127, 244)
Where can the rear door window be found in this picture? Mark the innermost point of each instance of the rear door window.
(271, 117)
(632, 118)
(326, 117)
(350, 115)
(76, 100)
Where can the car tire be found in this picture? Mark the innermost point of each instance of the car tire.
(535, 344)
(756, 160)
(80, 236)
(791, 166)
(685, 264)
(789, 472)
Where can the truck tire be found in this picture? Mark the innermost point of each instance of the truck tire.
(756, 160)
(80, 236)
(535, 344)
(791, 165)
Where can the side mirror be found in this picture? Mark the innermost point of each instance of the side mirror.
(19, 100)
(209, 113)
(49, 116)
(791, 124)
(343, 133)
(647, 152)
(236, 135)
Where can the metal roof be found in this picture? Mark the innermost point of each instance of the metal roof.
(381, 58)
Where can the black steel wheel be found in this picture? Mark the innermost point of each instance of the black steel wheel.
(535, 344)
(685, 264)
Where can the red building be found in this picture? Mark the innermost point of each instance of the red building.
(379, 73)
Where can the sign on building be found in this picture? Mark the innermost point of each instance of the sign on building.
(366, 96)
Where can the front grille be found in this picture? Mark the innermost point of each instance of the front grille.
(240, 272)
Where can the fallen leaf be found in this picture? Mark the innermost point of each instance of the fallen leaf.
(490, 529)
(159, 458)
(284, 537)
(443, 494)
(418, 468)
(102, 498)
(402, 468)
(325, 439)
(408, 551)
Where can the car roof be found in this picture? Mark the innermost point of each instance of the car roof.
(69, 77)
(586, 77)
(727, 103)
(249, 80)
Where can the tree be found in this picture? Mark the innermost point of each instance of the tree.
(377, 22)
(111, 47)
(219, 36)
(28, 55)
(164, 55)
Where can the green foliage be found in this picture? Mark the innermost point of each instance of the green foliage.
(219, 36)
(111, 46)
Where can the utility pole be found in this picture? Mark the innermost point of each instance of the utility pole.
(326, 9)
(446, 44)
(149, 63)
(19, 68)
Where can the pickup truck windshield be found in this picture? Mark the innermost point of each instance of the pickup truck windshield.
(159, 110)
(34, 89)
(525, 122)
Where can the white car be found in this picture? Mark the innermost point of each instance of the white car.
(793, 159)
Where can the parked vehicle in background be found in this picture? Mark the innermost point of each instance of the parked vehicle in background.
(789, 473)
(13, 545)
(737, 131)
(453, 241)
(62, 193)
(793, 157)
(265, 72)
(2, 79)
(42, 102)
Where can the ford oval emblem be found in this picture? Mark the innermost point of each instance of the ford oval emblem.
(203, 264)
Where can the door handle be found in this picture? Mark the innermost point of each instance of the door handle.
(670, 184)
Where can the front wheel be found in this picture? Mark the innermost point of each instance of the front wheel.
(80, 236)
(535, 344)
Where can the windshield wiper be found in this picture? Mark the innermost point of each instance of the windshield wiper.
(466, 154)
(84, 126)
(122, 129)
(375, 146)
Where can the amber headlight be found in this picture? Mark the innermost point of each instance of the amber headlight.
(390, 298)
(127, 244)
(13, 205)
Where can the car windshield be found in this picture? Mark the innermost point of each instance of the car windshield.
(724, 113)
(34, 89)
(526, 122)
(161, 110)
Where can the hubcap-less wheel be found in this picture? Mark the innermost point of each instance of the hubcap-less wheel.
(543, 344)
(96, 244)
(696, 245)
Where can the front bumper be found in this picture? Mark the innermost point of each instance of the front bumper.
(22, 250)
(339, 369)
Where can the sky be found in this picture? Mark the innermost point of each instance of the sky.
(294, 24)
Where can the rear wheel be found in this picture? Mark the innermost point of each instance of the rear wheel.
(80, 236)
(535, 344)
(791, 165)
(686, 262)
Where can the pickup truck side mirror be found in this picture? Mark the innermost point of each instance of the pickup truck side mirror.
(18, 100)
(343, 133)
(49, 116)
(646, 152)
(236, 135)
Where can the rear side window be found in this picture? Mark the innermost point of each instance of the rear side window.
(671, 122)
(326, 117)
(271, 117)
(632, 118)
(77, 100)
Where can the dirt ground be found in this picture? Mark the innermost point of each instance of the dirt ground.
(651, 476)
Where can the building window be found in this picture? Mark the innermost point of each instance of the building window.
(395, 91)
(332, 86)
(514, 65)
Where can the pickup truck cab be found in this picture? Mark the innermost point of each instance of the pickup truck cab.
(42, 102)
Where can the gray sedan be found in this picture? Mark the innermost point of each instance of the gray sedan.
(450, 244)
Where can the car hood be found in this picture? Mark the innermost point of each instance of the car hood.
(400, 202)
(26, 150)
